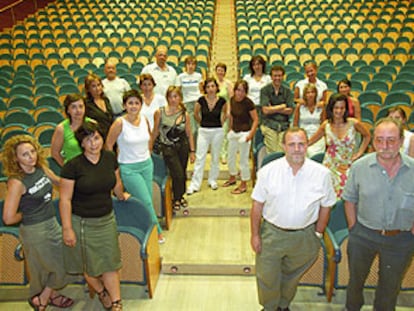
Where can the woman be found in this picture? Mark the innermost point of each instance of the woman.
(309, 117)
(88, 222)
(257, 78)
(209, 112)
(339, 132)
(398, 113)
(190, 81)
(226, 91)
(132, 134)
(97, 104)
(243, 125)
(64, 145)
(151, 102)
(29, 201)
(176, 142)
(311, 71)
(354, 107)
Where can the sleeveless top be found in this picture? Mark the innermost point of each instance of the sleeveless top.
(36, 203)
(172, 128)
(309, 121)
(133, 142)
(211, 119)
(351, 110)
(338, 155)
(70, 148)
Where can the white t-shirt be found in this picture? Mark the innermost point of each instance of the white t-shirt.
(293, 202)
(320, 86)
(114, 90)
(190, 86)
(148, 110)
(163, 78)
(133, 142)
(255, 87)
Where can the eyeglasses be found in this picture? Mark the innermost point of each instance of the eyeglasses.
(391, 141)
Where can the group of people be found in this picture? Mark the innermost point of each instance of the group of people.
(105, 144)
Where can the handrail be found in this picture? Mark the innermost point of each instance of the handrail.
(10, 6)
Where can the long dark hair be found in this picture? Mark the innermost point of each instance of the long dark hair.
(331, 103)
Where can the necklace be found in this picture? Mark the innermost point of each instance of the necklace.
(211, 103)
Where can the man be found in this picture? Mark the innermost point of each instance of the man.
(164, 75)
(276, 101)
(379, 208)
(293, 195)
(114, 88)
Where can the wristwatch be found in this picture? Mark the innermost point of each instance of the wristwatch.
(319, 234)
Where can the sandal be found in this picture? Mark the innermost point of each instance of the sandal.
(105, 299)
(40, 306)
(239, 190)
(184, 203)
(61, 301)
(229, 183)
(177, 205)
(117, 305)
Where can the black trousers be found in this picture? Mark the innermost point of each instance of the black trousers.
(176, 159)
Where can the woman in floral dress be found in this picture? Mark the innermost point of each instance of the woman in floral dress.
(339, 131)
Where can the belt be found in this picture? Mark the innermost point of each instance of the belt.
(389, 232)
(287, 230)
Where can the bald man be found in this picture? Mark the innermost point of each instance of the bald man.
(114, 88)
(164, 75)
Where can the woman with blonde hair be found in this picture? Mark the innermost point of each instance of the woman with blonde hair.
(29, 202)
(309, 117)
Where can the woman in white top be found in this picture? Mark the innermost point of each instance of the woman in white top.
(132, 134)
(398, 113)
(257, 78)
(151, 102)
(311, 71)
(309, 117)
(189, 81)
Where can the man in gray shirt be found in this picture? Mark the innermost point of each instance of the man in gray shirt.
(379, 208)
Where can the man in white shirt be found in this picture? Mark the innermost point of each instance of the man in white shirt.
(114, 88)
(163, 74)
(291, 207)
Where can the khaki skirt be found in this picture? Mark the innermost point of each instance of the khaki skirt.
(97, 249)
(43, 250)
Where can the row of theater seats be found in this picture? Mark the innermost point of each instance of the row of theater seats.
(319, 30)
(87, 32)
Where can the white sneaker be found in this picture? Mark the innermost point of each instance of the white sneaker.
(191, 190)
(213, 185)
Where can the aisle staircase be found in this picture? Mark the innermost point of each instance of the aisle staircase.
(224, 45)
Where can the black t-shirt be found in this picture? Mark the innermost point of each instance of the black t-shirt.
(211, 118)
(93, 184)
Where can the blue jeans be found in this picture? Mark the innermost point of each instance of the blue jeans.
(395, 255)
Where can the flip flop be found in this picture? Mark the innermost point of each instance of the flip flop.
(229, 183)
(239, 190)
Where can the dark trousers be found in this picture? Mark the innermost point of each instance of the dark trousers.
(395, 255)
(176, 158)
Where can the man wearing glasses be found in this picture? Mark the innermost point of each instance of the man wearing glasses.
(379, 207)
